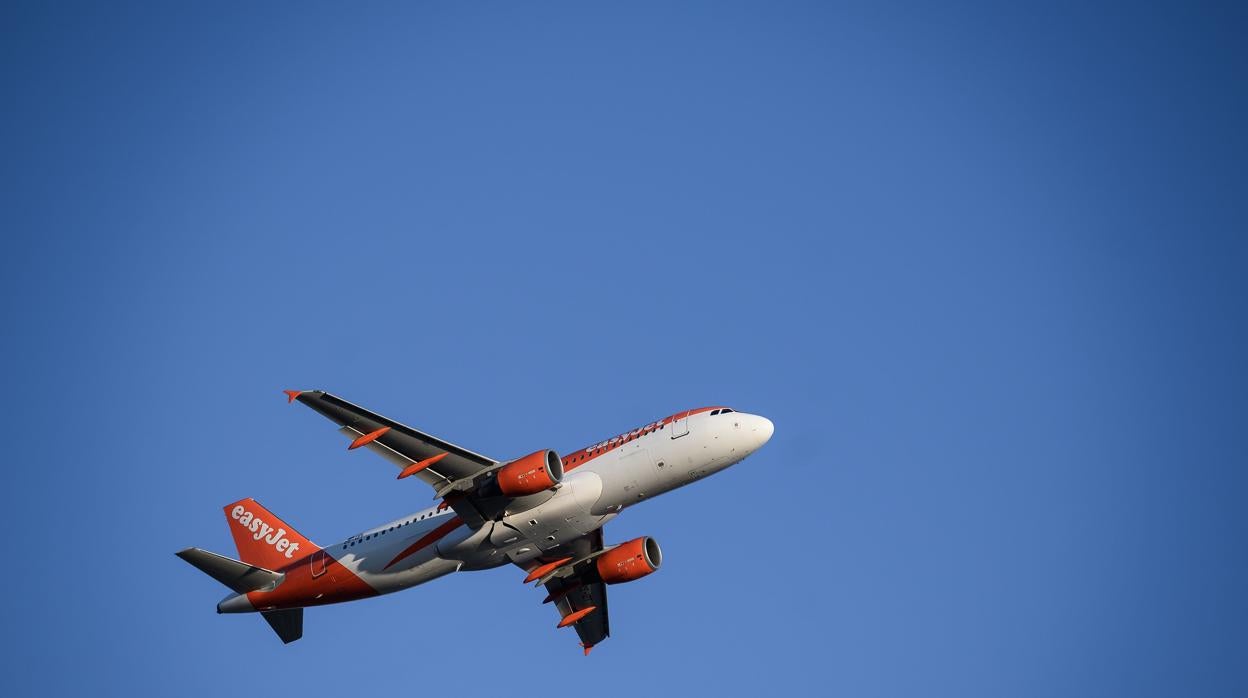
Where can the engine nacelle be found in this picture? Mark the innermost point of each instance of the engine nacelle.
(535, 472)
(628, 561)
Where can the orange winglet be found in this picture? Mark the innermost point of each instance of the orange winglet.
(417, 467)
(540, 571)
(291, 395)
(368, 438)
(587, 648)
(575, 616)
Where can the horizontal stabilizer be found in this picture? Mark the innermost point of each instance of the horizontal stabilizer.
(239, 576)
(288, 624)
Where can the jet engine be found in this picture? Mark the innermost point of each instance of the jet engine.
(628, 561)
(535, 472)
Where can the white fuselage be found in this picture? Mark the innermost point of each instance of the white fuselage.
(600, 482)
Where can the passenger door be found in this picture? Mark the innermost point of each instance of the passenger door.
(680, 425)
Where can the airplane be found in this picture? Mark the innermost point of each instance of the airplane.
(540, 512)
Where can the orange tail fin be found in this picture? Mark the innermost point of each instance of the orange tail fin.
(263, 539)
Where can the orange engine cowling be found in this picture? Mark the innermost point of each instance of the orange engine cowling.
(529, 475)
(628, 561)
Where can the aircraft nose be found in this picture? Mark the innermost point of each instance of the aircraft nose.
(761, 430)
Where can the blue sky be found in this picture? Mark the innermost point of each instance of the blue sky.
(983, 268)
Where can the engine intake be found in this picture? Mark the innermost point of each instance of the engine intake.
(540, 470)
(628, 561)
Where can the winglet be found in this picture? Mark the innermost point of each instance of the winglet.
(575, 616)
(587, 648)
(291, 395)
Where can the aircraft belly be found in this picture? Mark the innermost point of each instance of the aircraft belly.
(407, 560)
(424, 571)
(568, 515)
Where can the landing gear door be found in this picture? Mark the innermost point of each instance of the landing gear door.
(680, 425)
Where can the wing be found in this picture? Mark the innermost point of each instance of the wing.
(399, 443)
(574, 588)
(453, 471)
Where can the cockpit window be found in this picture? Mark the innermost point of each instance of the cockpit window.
(726, 410)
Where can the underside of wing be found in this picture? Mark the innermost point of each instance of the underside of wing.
(396, 442)
(477, 487)
(580, 596)
(576, 575)
(576, 597)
